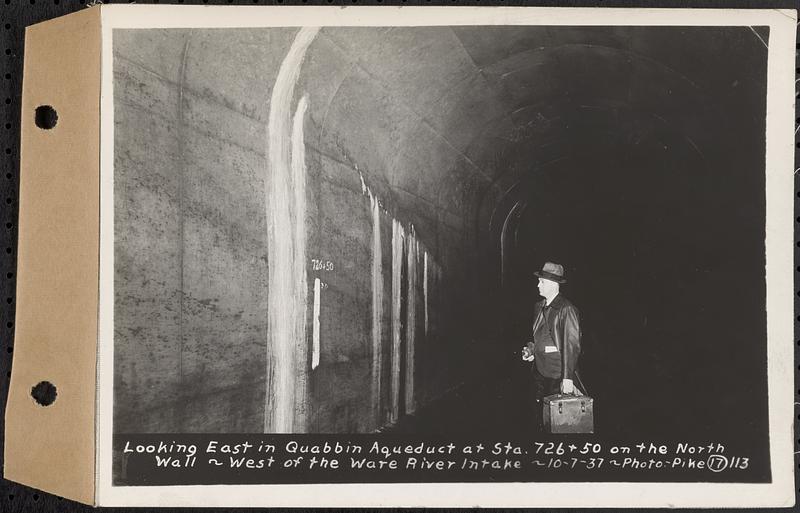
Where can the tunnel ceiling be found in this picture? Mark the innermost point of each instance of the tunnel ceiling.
(455, 118)
(445, 124)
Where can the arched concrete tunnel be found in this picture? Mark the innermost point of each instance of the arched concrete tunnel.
(439, 168)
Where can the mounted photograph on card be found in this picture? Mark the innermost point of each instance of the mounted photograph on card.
(420, 235)
(445, 257)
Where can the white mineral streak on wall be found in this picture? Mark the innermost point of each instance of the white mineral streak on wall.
(377, 300)
(406, 249)
(397, 268)
(299, 274)
(504, 257)
(315, 339)
(377, 309)
(411, 317)
(364, 189)
(286, 249)
(425, 288)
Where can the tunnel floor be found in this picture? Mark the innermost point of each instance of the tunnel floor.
(494, 407)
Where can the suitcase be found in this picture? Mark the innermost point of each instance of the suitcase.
(566, 413)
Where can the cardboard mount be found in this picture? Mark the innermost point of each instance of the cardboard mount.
(53, 447)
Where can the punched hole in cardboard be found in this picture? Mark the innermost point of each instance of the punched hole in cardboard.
(44, 393)
(46, 117)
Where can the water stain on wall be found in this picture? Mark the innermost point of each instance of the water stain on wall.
(286, 401)
(377, 309)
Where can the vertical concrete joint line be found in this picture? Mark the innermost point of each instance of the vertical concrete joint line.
(287, 280)
(181, 206)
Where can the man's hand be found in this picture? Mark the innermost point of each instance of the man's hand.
(567, 387)
(527, 355)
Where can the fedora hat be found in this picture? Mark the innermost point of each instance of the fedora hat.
(552, 272)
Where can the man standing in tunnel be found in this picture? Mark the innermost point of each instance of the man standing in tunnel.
(556, 339)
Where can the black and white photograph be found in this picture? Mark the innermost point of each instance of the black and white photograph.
(397, 239)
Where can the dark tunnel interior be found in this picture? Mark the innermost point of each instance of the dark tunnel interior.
(658, 271)
(634, 156)
(633, 176)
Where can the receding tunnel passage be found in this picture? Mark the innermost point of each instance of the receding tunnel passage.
(336, 230)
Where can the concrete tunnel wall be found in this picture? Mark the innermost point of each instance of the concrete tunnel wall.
(389, 200)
